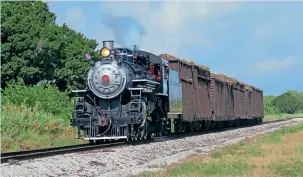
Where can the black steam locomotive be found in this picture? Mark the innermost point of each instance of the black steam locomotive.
(127, 96)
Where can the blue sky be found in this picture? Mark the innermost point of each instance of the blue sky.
(259, 43)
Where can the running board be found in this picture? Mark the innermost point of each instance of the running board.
(106, 138)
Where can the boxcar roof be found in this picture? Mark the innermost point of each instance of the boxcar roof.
(169, 57)
(223, 78)
(250, 87)
(219, 77)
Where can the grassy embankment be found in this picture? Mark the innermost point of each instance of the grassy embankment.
(35, 117)
(24, 128)
(281, 116)
(275, 154)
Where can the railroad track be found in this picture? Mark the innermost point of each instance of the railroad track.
(38, 153)
(31, 154)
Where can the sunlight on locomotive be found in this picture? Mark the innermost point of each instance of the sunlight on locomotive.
(105, 52)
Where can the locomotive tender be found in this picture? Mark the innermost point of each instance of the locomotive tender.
(133, 94)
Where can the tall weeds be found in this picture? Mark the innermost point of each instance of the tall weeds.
(35, 117)
(28, 128)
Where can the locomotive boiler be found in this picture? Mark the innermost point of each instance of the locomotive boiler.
(126, 96)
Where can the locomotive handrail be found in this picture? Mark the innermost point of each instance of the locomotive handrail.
(144, 80)
(78, 91)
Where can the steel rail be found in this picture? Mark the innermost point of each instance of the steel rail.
(38, 153)
(31, 154)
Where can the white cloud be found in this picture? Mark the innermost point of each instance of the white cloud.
(173, 23)
(75, 19)
(274, 64)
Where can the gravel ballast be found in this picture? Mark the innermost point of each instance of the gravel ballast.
(132, 160)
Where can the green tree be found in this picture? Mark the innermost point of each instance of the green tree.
(269, 107)
(29, 41)
(34, 48)
(75, 68)
(289, 102)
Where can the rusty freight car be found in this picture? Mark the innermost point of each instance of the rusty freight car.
(215, 98)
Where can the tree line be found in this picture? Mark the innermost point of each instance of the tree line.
(35, 48)
(290, 102)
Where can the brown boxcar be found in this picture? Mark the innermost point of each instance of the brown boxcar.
(208, 96)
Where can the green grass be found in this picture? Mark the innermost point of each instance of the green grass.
(25, 128)
(293, 168)
(254, 151)
(176, 106)
(214, 168)
(276, 154)
(281, 116)
(276, 138)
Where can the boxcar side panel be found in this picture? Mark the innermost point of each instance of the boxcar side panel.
(242, 105)
(230, 102)
(195, 94)
(261, 104)
(249, 104)
(204, 106)
(187, 98)
(239, 103)
(258, 104)
(200, 89)
(254, 107)
(219, 99)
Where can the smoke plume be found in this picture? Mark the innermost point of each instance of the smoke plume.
(127, 31)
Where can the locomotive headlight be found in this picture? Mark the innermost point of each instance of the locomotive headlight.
(105, 52)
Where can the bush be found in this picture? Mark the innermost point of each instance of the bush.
(35, 117)
(269, 107)
(290, 102)
(46, 98)
(26, 128)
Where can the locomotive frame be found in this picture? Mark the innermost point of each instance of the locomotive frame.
(187, 98)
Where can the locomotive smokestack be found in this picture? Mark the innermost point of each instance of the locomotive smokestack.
(108, 44)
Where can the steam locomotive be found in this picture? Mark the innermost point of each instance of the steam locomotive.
(133, 94)
(126, 98)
